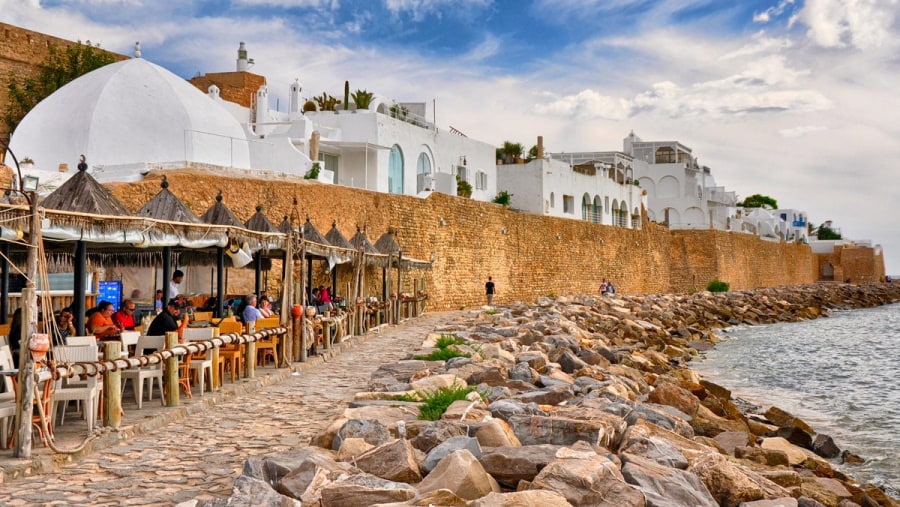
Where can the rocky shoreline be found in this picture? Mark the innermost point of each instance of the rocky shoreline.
(580, 401)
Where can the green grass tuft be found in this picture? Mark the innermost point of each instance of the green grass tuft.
(435, 403)
(441, 355)
(716, 285)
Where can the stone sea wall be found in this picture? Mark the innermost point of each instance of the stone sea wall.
(527, 255)
(580, 401)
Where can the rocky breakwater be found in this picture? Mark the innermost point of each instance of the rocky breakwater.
(573, 401)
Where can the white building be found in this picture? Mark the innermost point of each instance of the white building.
(133, 116)
(681, 193)
(589, 189)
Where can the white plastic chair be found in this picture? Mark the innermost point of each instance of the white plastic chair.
(6, 363)
(201, 366)
(7, 398)
(76, 341)
(87, 391)
(138, 376)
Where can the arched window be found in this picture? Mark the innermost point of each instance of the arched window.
(423, 172)
(552, 200)
(586, 208)
(395, 171)
(598, 208)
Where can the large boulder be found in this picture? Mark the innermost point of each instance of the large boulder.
(561, 430)
(496, 433)
(394, 461)
(523, 372)
(824, 446)
(586, 478)
(433, 383)
(664, 486)
(462, 474)
(528, 498)
(316, 471)
(364, 489)
(569, 362)
(448, 447)
(795, 455)
(351, 448)
(761, 455)
(728, 440)
(535, 359)
(828, 492)
(640, 441)
(509, 465)
(434, 433)
(370, 430)
(553, 395)
(506, 408)
(730, 484)
(252, 491)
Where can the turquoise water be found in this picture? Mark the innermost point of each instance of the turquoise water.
(840, 374)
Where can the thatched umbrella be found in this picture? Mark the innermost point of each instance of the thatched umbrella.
(337, 239)
(219, 214)
(259, 222)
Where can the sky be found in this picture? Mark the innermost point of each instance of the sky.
(795, 99)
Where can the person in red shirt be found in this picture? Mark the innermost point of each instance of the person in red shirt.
(124, 318)
(101, 324)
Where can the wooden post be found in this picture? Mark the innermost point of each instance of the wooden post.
(326, 329)
(399, 285)
(216, 381)
(112, 387)
(25, 386)
(302, 320)
(170, 376)
(250, 362)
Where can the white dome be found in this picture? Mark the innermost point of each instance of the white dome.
(131, 112)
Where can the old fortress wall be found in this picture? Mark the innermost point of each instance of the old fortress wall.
(536, 256)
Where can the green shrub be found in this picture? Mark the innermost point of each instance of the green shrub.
(446, 340)
(406, 397)
(441, 355)
(717, 285)
(313, 173)
(435, 403)
(503, 198)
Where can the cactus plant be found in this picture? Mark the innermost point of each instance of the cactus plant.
(346, 95)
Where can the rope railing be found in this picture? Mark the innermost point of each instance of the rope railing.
(93, 368)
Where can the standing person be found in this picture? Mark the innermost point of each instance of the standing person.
(489, 291)
(610, 288)
(325, 298)
(124, 318)
(177, 278)
(168, 321)
(251, 312)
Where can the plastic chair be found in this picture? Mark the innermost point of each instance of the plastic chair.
(87, 391)
(201, 363)
(138, 376)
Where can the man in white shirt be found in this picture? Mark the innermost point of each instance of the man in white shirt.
(177, 277)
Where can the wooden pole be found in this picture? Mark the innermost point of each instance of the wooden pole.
(302, 320)
(4, 282)
(220, 282)
(112, 387)
(29, 327)
(399, 285)
(216, 381)
(287, 298)
(173, 398)
(250, 370)
(79, 287)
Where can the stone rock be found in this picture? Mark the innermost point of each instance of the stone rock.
(530, 498)
(795, 436)
(633, 413)
(256, 468)
(535, 359)
(370, 430)
(639, 441)
(664, 486)
(706, 423)
(763, 456)
(531, 430)
(434, 433)
(465, 410)
(462, 474)
(250, 491)
(442, 497)
(795, 455)
(280, 464)
(316, 471)
(496, 433)
(774, 502)
(730, 484)
(433, 383)
(494, 351)
(828, 492)
(569, 362)
(494, 393)
(492, 375)
(523, 372)
(364, 489)
(467, 372)
(669, 393)
(351, 448)
(592, 357)
(448, 447)
(824, 446)
(509, 465)
(731, 439)
(394, 461)
(548, 396)
(403, 371)
(589, 479)
(506, 408)
(784, 477)
(808, 502)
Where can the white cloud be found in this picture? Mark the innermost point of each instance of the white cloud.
(767, 15)
(861, 24)
(801, 131)
(419, 9)
(315, 4)
(586, 104)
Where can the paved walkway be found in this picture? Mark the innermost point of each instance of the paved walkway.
(200, 455)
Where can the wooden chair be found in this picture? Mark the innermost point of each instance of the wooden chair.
(201, 316)
(184, 375)
(230, 326)
(267, 347)
(232, 357)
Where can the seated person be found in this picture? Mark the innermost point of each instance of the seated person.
(101, 324)
(64, 325)
(265, 307)
(251, 313)
(168, 321)
(124, 318)
(210, 304)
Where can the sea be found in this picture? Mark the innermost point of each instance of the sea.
(841, 374)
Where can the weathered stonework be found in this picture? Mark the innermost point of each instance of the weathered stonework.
(237, 87)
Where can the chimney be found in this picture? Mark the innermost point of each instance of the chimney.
(242, 58)
(540, 147)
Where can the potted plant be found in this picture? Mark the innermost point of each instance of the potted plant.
(362, 99)
(26, 163)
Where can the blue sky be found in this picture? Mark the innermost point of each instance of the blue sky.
(792, 98)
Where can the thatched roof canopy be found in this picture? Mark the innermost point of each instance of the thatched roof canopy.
(285, 226)
(219, 214)
(311, 234)
(387, 244)
(258, 222)
(165, 206)
(82, 194)
(360, 240)
(335, 237)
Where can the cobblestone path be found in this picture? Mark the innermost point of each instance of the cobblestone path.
(200, 456)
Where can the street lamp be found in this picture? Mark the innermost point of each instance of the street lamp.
(30, 183)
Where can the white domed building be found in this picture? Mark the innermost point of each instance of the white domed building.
(127, 118)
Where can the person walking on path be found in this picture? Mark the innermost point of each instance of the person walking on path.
(490, 290)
